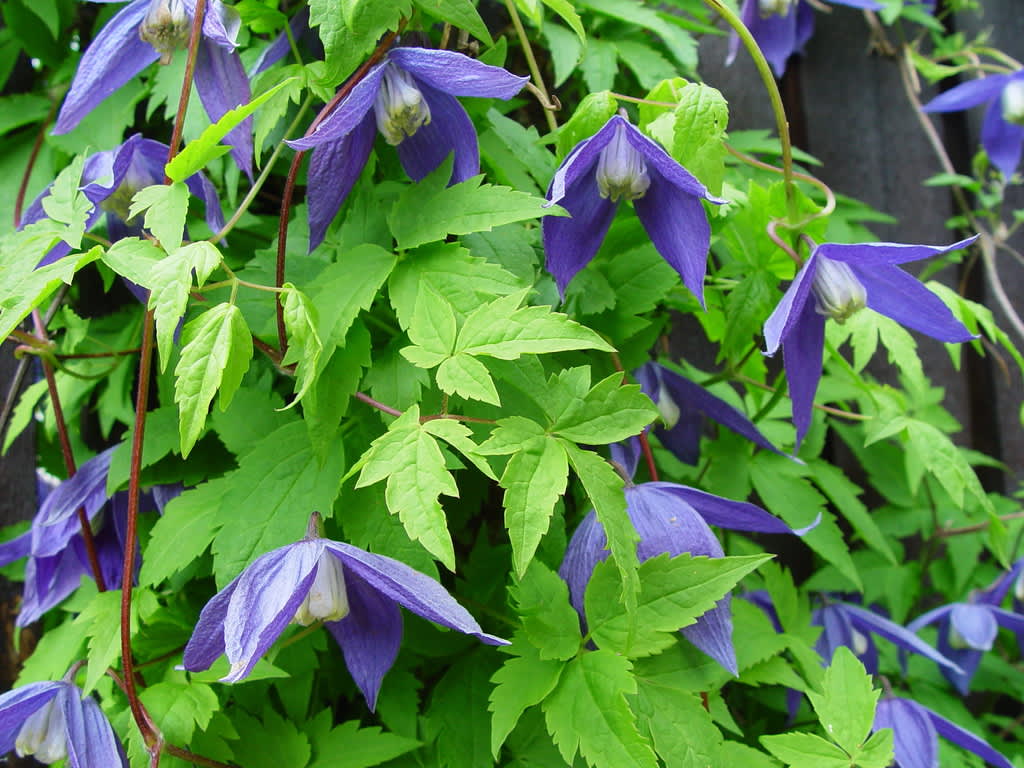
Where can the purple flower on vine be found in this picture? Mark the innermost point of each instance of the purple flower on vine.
(145, 31)
(620, 163)
(916, 730)
(52, 721)
(674, 519)
(109, 181)
(409, 96)
(782, 27)
(836, 282)
(357, 595)
(1002, 131)
(968, 630)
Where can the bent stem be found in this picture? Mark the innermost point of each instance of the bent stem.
(531, 62)
(781, 123)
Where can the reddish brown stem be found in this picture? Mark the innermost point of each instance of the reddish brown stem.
(186, 83)
(68, 454)
(293, 173)
(645, 446)
(19, 199)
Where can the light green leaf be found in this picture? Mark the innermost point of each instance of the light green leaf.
(877, 751)
(683, 732)
(196, 154)
(700, 122)
(523, 681)
(348, 286)
(565, 9)
(846, 709)
(511, 435)
(304, 345)
(165, 206)
(351, 746)
(805, 750)
(594, 111)
(466, 376)
(178, 709)
(842, 492)
(67, 204)
(674, 592)
(431, 211)
(170, 281)
(100, 621)
(611, 411)
(459, 13)
(432, 329)
(272, 742)
(411, 461)
(588, 713)
(216, 350)
(549, 623)
(134, 258)
(458, 436)
(933, 451)
(183, 532)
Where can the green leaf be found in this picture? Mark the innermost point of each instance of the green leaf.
(431, 211)
(458, 436)
(877, 751)
(590, 117)
(549, 623)
(504, 330)
(459, 13)
(646, 63)
(165, 206)
(805, 750)
(100, 621)
(843, 494)
(348, 286)
(534, 480)
(605, 489)
(846, 708)
(565, 9)
(700, 122)
(304, 345)
(432, 330)
(349, 35)
(681, 728)
(66, 203)
(510, 435)
(196, 154)
(411, 461)
(278, 483)
(169, 281)
(178, 709)
(183, 532)
(523, 681)
(674, 592)
(935, 452)
(134, 258)
(457, 720)
(216, 350)
(350, 746)
(611, 411)
(467, 377)
(588, 712)
(268, 743)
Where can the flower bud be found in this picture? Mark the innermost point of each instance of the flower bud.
(621, 170)
(400, 107)
(166, 27)
(859, 641)
(327, 599)
(774, 7)
(43, 734)
(1012, 102)
(667, 407)
(838, 292)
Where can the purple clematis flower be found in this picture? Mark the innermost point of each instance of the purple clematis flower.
(57, 558)
(354, 592)
(916, 730)
(410, 97)
(53, 721)
(620, 163)
(968, 630)
(838, 281)
(147, 30)
(110, 180)
(684, 406)
(671, 518)
(1002, 132)
(852, 626)
(783, 27)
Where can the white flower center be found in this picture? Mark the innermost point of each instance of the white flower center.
(1018, 587)
(667, 407)
(838, 292)
(774, 7)
(860, 642)
(1013, 102)
(42, 735)
(621, 170)
(327, 599)
(166, 27)
(400, 107)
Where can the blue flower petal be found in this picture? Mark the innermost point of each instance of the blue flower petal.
(967, 95)
(903, 637)
(222, 86)
(712, 633)
(975, 624)
(585, 550)
(787, 313)
(776, 36)
(207, 641)
(115, 56)
(1001, 140)
(867, 255)
(725, 513)
(915, 741)
(57, 519)
(449, 130)
(456, 74)
(17, 705)
(868, 5)
(90, 739)
(966, 740)
(349, 114)
(801, 356)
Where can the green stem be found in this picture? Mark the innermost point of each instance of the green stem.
(538, 79)
(782, 124)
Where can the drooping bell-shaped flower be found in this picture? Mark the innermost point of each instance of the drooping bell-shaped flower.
(916, 730)
(356, 593)
(783, 27)
(837, 281)
(51, 721)
(684, 406)
(409, 96)
(620, 163)
(1002, 130)
(145, 31)
(109, 181)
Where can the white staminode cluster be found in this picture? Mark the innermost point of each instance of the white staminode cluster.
(774, 7)
(166, 27)
(400, 108)
(621, 170)
(667, 407)
(838, 292)
(327, 599)
(1013, 102)
(43, 735)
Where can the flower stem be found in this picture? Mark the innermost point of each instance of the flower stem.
(781, 123)
(19, 199)
(531, 62)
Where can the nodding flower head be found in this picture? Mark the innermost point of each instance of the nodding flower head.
(837, 291)
(621, 169)
(166, 27)
(400, 108)
(1012, 102)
